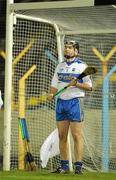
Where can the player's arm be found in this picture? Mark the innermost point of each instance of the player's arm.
(54, 84)
(87, 83)
(84, 86)
(51, 93)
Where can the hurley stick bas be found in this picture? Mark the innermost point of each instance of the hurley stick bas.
(29, 160)
(88, 71)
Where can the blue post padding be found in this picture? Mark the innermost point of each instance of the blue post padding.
(50, 56)
(24, 127)
(105, 125)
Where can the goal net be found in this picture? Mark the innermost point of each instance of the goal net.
(35, 42)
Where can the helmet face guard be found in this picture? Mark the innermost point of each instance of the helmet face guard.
(72, 43)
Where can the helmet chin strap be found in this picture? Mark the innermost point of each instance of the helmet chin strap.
(69, 57)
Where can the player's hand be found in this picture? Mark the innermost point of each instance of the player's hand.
(73, 82)
(50, 97)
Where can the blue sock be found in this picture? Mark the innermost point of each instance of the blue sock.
(64, 164)
(78, 165)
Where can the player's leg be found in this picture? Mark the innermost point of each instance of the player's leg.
(76, 130)
(63, 127)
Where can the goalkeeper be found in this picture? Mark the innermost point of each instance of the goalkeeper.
(69, 106)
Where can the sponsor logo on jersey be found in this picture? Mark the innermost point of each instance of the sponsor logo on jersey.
(67, 77)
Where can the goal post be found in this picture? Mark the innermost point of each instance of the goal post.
(106, 115)
(8, 88)
(37, 38)
(24, 55)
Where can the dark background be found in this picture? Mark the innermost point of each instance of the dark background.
(2, 29)
(3, 14)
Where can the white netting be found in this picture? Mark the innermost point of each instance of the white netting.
(43, 53)
(80, 19)
(104, 43)
(39, 114)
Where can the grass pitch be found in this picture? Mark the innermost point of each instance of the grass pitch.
(21, 175)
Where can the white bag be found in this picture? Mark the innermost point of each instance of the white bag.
(49, 148)
(1, 101)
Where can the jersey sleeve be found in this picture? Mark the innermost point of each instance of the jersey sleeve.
(87, 80)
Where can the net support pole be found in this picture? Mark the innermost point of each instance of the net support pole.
(70, 152)
(105, 59)
(8, 87)
(105, 125)
(59, 44)
(3, 54)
